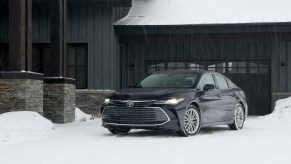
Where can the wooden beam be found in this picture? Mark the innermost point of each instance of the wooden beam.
(58, 17)
(28, 35)
(20, 54)
(16, 35)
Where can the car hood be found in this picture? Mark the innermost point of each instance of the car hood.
(149, 93)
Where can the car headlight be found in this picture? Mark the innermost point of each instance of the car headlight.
(173, 101)
(107, 101)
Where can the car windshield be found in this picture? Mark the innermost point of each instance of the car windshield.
(169, 80)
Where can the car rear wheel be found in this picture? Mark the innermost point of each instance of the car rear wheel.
(119, 130)
(192, 122)
(239, 118)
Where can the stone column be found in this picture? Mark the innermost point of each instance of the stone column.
(59, 99)
(20, 90)
(59, 91)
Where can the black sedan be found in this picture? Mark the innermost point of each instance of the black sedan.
(181, 101)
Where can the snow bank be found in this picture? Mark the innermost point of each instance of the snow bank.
(80, 116)
(19, 126)
(282, 111)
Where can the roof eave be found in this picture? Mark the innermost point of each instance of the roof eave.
(205, 28)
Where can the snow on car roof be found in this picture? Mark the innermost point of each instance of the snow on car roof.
(177, 12)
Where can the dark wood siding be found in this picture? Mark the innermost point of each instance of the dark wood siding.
(264, 59)
(90, 23)
(281, 68)
(289, 66)
(94, 25)
(40, 23)
(137, 53)
(3, 22)
(271, 46)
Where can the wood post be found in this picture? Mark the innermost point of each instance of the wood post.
(20, 35)
(28, 35)
(58, 18)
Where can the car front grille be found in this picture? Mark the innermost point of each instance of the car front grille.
(134, 116)
(121, 103)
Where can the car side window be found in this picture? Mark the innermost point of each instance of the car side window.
(221, 82)
(207, 79)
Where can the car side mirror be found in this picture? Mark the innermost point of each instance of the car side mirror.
(208, 87)
(130, 86)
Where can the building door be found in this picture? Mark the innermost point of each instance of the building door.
(253, 76)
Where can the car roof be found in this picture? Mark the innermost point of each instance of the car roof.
(201, 72)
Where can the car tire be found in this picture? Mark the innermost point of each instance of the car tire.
(239, 118)
(192, 122)
(119, 130)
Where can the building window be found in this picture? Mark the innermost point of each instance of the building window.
(258, 68)
(227, 67)
(153, 66)
(77, 64)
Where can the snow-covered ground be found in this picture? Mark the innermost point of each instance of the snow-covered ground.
(264, 140)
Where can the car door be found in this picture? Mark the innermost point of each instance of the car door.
(209, 101)
(227, 97)
(233, 100)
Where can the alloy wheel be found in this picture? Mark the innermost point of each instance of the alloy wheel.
(239, 117)
(192, 121)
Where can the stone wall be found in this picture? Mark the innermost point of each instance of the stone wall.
(59, 100)
(277, 96)
(90, 101)
(21, 91)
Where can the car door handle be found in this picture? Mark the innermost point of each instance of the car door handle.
(234, 94)
(218, 95)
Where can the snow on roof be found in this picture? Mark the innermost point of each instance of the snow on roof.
(177, 12)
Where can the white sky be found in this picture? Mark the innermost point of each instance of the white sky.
(155, 12)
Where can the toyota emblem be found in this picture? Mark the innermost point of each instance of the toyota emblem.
(130, 104)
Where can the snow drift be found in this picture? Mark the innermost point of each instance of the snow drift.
(282, 111)
(80, 116)
(19, 126)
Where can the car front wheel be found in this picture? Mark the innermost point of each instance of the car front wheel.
(239, 118)
(192, 122)
(119, 130)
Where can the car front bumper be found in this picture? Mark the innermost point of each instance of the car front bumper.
(163, 117)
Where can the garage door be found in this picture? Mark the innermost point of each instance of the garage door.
(253, 76)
